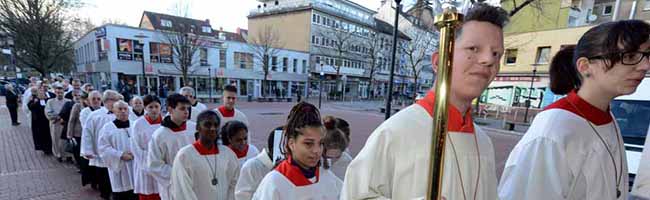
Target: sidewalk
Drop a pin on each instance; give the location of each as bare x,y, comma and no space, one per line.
27,174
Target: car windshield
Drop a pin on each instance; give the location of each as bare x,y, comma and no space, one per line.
633,117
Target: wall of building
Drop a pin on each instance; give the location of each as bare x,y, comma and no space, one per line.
554,14
293,28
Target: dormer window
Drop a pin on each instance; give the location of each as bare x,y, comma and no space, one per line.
166,23
207,29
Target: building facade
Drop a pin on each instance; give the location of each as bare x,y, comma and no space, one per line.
112,56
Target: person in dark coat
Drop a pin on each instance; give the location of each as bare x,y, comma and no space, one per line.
12,103
40,123
65,113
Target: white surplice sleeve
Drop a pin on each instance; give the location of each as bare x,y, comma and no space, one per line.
88,138
369,175
138,146
641,188
181,182
107,151
247,182
537,170
160,170
233,175
267,190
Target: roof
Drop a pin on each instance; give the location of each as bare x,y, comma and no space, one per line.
386,28
177,21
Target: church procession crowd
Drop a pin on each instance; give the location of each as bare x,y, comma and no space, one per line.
182,150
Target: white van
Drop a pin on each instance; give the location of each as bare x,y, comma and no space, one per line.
632,112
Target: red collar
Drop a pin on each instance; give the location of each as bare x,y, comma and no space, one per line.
593,114
180,128
205,151
225,112
151,121
456,121
240,154
294,174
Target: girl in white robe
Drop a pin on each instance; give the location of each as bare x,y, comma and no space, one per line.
574,149
205,170
175,133
115,150
335,144
143,183
300,175
234,134
254,170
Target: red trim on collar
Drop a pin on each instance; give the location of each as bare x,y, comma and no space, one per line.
294,174
158,120
593,114
240,154
456,121
225,112
205,151
180,128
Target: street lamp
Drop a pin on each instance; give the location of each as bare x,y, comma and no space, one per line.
210,81
320,86
141,37
530,93
392,66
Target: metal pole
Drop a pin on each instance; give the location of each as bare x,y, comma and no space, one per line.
320,88
389,96
144,76
210,82
530,93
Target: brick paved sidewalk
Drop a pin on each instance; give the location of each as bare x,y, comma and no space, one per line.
27,174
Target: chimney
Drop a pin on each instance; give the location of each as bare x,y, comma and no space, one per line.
238,30
207,21
221,28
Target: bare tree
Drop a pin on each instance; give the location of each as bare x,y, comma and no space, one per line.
340,42
265,45
38,29
113,21
375,52
416,52
185,41
78,27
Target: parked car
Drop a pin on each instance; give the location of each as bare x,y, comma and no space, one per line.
20,89
632,113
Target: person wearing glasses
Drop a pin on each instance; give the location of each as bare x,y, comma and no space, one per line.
197,107
227,112
574,149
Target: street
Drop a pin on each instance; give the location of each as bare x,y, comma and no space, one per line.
26,174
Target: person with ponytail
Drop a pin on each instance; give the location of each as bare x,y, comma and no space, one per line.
300,175
335,143
574,149
234,134
205,169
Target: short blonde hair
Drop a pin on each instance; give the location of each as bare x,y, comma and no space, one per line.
111,94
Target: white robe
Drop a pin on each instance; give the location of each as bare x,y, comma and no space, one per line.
163,147
641,186
341,165
251,174
394,163
560,157
113,142
83,115
143,182
196,110
252,153
192,174
239,116
90,135
276,186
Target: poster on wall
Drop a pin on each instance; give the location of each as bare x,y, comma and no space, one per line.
166,53
125,49
137,50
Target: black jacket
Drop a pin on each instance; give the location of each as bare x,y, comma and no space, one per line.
12,98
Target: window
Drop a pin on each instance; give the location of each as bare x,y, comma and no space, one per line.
160,53
285,64
313,18
318,19
166,23
222,58
511,56
244,60
543,55
313,39
304,66
207,29
126,50
203,55
295,65
274,63
317,59
646,5
607,10
102,49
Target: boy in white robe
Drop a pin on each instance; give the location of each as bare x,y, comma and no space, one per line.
115,151
175,133
90,135
234,135
197,107
574,148
300,175
144,185
254,170
205,170
394,163
227,112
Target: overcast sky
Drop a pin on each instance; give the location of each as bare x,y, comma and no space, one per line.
228,14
